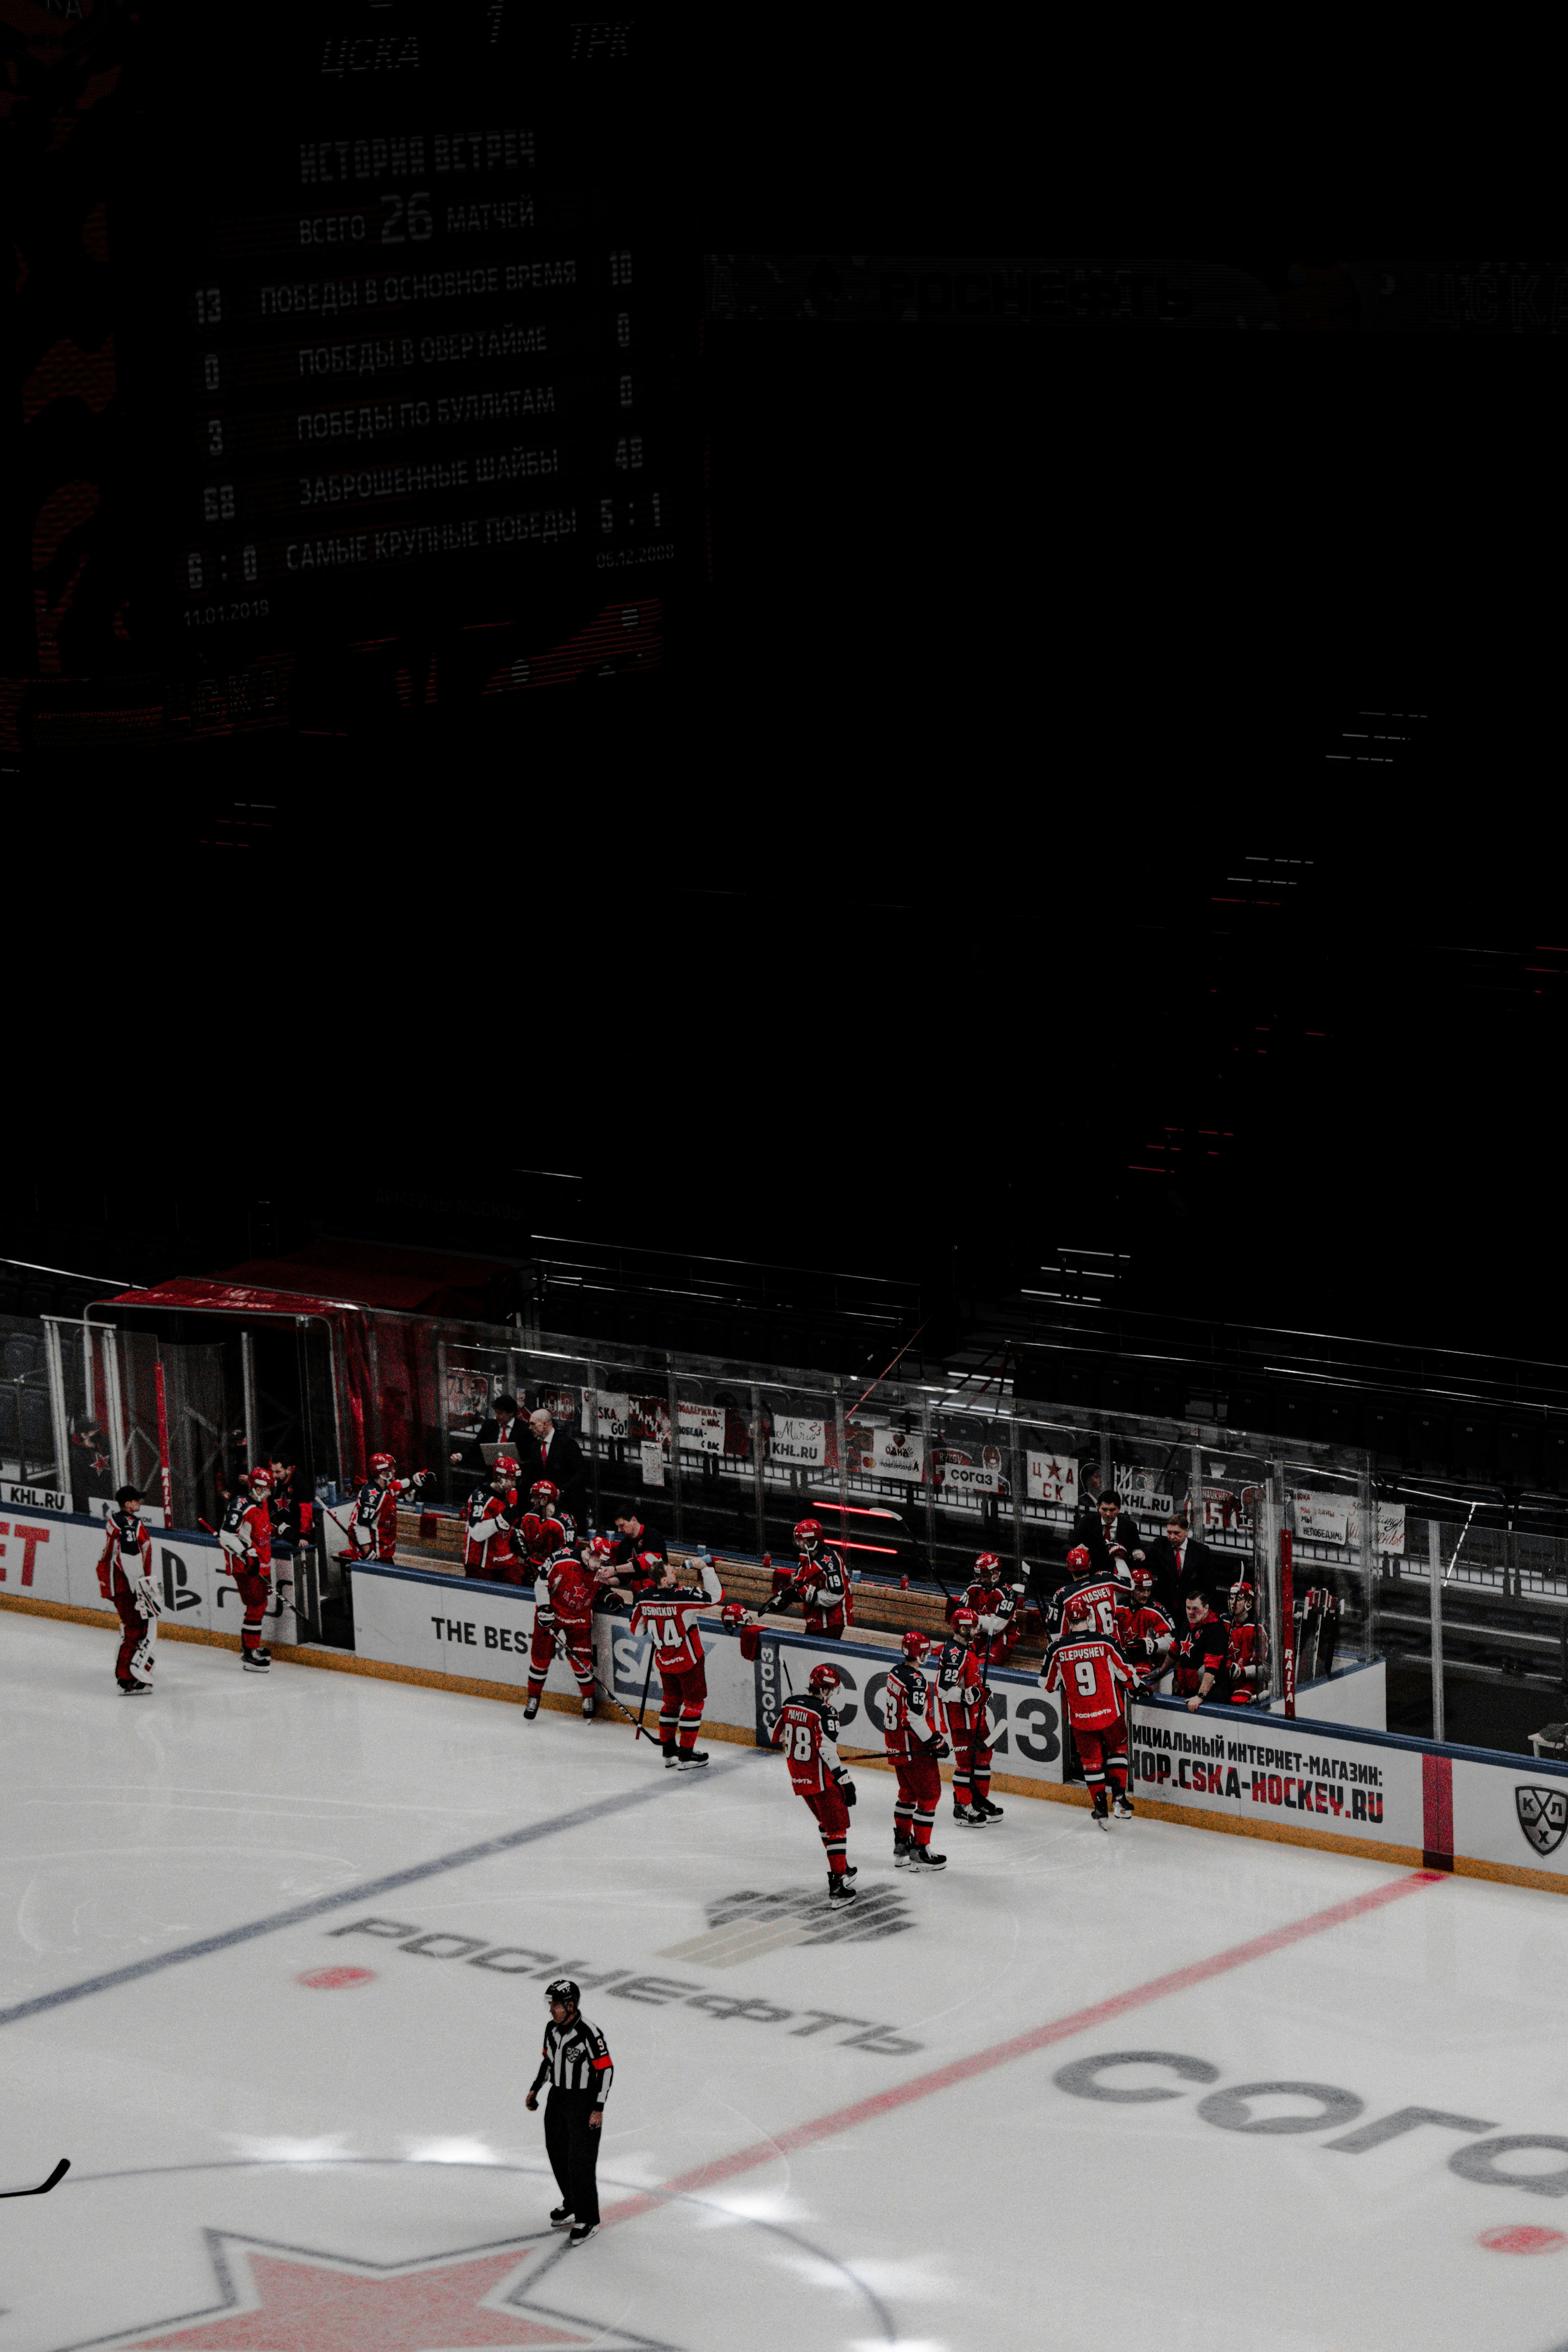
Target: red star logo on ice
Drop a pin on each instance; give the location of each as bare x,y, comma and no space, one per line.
307,2302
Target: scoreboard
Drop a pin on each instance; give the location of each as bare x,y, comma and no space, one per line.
353,342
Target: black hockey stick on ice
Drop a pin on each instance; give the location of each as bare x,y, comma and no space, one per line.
44,2186
642,1731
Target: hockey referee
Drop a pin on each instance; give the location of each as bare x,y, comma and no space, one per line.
576,2066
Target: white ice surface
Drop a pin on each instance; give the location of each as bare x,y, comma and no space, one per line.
256,2162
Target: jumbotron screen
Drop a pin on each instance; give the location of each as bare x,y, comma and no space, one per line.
350,349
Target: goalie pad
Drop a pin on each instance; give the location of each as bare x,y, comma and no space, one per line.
141,1660
146,1599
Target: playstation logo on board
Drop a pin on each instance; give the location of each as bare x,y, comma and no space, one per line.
1542,1816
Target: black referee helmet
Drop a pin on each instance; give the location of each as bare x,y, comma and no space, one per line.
562,1990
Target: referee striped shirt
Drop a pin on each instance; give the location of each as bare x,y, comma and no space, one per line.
576,2057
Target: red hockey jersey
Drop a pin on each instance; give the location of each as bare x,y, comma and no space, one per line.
488,1529
245,1532
1135,1626
1245,1663
127,1546
960,1688
1105,1596
822,1587
567,1588
996,1606
669,1614
907,1714
806,1730
1091,1675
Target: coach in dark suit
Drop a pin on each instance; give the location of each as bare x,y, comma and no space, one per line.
506,1427
1180,1565
1110,1525
549,1453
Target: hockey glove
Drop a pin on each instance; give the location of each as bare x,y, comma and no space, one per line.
846,1791
937,1749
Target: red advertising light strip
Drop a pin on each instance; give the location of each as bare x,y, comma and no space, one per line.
1023,2045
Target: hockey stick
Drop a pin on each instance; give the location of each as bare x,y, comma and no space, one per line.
44,2186
642,1733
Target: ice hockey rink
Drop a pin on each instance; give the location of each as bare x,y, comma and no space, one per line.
274,1958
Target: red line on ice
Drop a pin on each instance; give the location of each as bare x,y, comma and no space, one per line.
1039,2037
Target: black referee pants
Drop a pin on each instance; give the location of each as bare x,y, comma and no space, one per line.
572,2147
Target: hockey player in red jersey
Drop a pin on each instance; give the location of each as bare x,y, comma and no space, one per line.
536,1541
544,1502
1104,1594
1093,1678
995,1606
1144,1635
1248,1664
808,1730
490,1517
246,1534
962,1715
563,1593
372,1521
819,1581
668,1616
125,1577
915,1745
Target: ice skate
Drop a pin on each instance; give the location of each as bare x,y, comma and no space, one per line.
256,1662
690,1759
1099,1814
922,1858
531,1709
838,1887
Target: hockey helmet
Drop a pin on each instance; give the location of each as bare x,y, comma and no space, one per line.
966,1623
379,1462
1143,1581
1241,1598
1079,1611
733,1615
260,1479
988,1567
503,1469
807,1536
915,1645
600,1548
823,1680
562,1990
550,1491
1077,1558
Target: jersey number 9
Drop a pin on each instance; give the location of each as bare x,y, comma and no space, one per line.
1084,1670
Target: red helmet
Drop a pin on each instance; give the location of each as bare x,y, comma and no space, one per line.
1077,1558
808,1535
733,1614
966,1622
650,1563
600,1547
260,1479
381,1461
503,1466
822,1679
1079,1611
988,1567
1143,1582
1240,1596
552,1493
916,1646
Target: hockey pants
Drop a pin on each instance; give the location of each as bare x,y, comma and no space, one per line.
1103,1753
971,1763
573,2146
256,1591
684,1695
920,1787
833,1821
136,1629
578,1640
